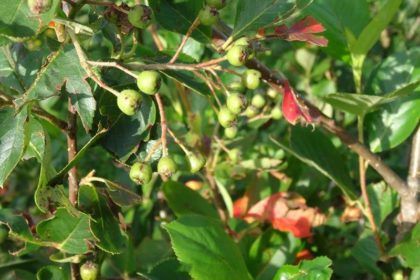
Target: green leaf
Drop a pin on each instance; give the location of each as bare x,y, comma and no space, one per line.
178,16
51,272
66,232
63,67
409,248
372,31
367,253
361,104
204,246
170,269
127,132
183,200
383,201
252,15
13,139
188,80
318,268
316,150
17,20
104,225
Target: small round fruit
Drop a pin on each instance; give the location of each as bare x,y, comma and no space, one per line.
226,117
141,173
89,271
167,166
234,154
251,111
4,232
243,41
258,101
197,161
140,16
237,86
237,55
129,101
251,78
236,103
272,93
208,16
276,113
39,6
149,81
231,132
218,4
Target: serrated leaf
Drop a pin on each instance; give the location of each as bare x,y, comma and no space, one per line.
318,268
13,139
252,15
18,21
409,248
51,272
63,68
66,232
204,246
367,253
104,225
183,200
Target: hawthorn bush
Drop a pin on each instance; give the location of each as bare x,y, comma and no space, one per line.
209,139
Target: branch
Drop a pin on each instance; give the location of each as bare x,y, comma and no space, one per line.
72,151
195,23
162,124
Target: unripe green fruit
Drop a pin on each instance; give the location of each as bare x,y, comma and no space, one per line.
251,111
272,93
208,16
218,4
251,78
167,166
149,81
197,161
237,86
39,6
226,117
140,16
129,101
231,132
141,173
276,113
34,45
234,155
236,103
243,41
258,101
89,271
4,232
237,55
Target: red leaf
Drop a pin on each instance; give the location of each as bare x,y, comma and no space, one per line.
291,108
307,25
300,228
240,206
303,31
305,254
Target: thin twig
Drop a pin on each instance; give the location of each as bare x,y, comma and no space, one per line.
44,115
112,64
193,26
155,37
210,86
178,142
162,124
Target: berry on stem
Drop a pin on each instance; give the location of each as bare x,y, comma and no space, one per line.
272,93
251,111
167,166
236,103
258,101
237,55
226,117
196,161
140,16
149,81
129,101
89,271
39,6
251,78
231,132
141,173
218,4
276,113
208,15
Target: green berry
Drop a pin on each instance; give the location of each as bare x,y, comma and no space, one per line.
231,132
276,113
243,41
89,271
272,93
149,81
208,16
39,6
141,173
237,55
4,232
258,101
167,166
251,78
226,117
218,4
197,161
129,101
251,111
140,16
234,155
237,86
236,103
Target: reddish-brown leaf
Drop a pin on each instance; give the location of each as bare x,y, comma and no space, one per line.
292,110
